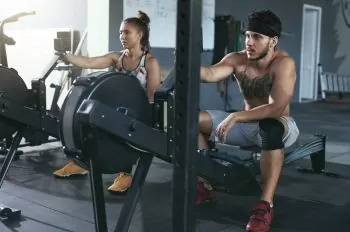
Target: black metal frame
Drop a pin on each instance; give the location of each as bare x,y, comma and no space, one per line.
188,59
314,147
36,116
239,177
7,212
133,195
92,112
34,119
94,116
36,127
90,115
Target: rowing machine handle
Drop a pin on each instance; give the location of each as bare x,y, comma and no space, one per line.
14,18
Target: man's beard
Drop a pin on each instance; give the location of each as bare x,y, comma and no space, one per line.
262,54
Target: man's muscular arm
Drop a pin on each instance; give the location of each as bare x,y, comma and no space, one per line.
99,62
219,71
281,93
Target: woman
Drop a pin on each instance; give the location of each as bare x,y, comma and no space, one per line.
135,59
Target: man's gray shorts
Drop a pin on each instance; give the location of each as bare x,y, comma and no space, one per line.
247,134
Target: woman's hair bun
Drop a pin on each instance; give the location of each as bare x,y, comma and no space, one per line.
143,17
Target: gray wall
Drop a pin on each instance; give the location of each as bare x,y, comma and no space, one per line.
116,16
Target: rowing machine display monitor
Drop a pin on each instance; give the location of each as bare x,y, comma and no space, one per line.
66,41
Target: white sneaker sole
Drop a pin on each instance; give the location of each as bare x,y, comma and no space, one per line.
75,174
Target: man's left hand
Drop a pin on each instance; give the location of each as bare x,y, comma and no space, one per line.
225,126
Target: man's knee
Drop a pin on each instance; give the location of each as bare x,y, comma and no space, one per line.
205,123
271,132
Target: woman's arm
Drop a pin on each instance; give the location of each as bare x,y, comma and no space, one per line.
153,77
98,62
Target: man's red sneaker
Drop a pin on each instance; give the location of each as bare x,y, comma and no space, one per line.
204,193
261,219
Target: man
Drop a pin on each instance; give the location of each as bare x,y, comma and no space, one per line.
266,76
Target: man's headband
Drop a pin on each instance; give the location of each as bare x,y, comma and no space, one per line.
263,28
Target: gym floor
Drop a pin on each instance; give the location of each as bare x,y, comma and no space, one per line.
304,202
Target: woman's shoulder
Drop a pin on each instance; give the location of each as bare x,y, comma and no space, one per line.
151,59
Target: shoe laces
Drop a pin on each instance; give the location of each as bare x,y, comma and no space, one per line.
67,166
259,214
120,177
